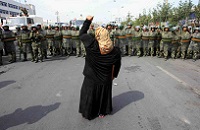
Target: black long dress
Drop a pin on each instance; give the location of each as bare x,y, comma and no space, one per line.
96,91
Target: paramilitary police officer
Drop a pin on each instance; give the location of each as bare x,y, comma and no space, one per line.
18,41
137,40
185,41
120,35
36,38
50,39
44,40
75,40
194,47
145,40
166,40
66,42
57,41
8,40
175,42
129,38
26,42
152,40
158,40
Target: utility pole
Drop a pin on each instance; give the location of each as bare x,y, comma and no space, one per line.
57,14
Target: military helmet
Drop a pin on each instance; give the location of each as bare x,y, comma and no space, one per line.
129,24
196,28
145,27
153,27
34,26
24,25
121,27
5,25
137,27
185,26
17,27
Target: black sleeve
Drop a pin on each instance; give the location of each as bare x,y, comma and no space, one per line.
117,66
84,37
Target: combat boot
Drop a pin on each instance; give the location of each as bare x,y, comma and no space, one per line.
25,56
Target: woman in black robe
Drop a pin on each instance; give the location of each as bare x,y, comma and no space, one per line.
102,65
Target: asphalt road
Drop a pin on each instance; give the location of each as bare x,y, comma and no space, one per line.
149,94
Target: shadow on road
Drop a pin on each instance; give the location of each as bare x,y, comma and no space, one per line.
6,83
29,115
124,99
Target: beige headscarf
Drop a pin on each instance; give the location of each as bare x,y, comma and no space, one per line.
103,38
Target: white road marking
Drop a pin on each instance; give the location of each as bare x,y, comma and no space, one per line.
173,76
195,90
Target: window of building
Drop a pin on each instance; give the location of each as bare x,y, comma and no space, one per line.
3,3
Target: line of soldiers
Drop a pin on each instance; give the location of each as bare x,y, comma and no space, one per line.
168,42
63,41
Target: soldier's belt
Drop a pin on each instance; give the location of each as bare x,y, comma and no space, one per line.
9,39
195,39
26,40
175,41
129,35
145,38
120,37
75,38
152,38
185,41
49,36
68,37
136,38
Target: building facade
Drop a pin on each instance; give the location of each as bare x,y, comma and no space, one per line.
11,8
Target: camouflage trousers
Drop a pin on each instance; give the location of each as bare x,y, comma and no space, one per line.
138,45
151,46
193,50
145,47
166,47
27,48
77,43
83,51
131,47
184,48
174,48
37,51
66,46
50,45
57,47
10,48
122,45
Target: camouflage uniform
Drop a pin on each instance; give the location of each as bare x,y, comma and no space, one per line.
121,40
175,43
50,39
18,37
36,38
44,43
157,44
8,39
137,40
166,40
152,40
185,41
145,41
57,42
76,42
26,42
129,38
67,36
194,47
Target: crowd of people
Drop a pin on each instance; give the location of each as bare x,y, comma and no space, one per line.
176,42
40,42
166,42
